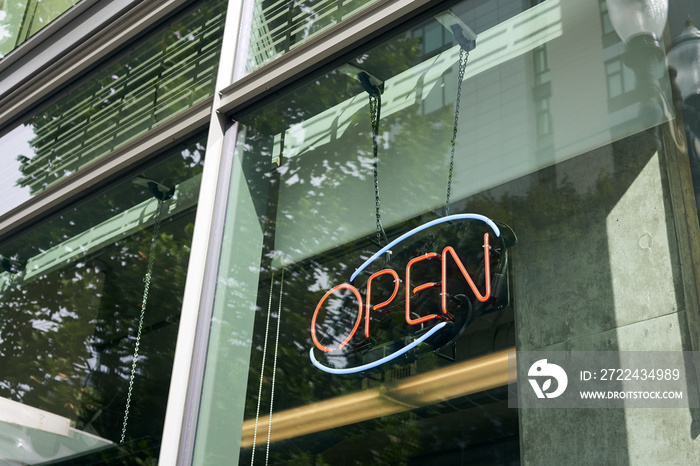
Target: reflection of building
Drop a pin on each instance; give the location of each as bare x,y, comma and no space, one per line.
147,332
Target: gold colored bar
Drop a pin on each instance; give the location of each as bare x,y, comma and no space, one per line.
444,384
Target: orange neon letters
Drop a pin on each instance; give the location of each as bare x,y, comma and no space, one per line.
411,321
369,307
487,271
449,250
320,303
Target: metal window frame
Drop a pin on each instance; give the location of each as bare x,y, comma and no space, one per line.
203,264
230,101
71,47
70,16
319,52
67,17
66,49
105,169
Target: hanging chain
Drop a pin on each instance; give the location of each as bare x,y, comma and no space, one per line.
463,57
146,288
375,106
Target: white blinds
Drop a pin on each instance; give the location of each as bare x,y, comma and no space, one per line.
279,26
154,81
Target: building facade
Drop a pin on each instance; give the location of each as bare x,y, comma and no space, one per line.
317,232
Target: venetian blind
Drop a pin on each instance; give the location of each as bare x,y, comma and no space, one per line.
156,79
279,26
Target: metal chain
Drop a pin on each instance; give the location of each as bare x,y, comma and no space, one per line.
147,285
463,57
375,106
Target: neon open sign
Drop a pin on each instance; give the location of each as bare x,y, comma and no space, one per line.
435,309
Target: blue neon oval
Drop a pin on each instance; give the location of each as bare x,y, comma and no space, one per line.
407,235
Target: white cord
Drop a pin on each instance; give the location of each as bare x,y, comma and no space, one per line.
274,369
144,300
262,369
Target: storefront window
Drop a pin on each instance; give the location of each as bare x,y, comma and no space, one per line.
72,293
146,85
582,251
19,20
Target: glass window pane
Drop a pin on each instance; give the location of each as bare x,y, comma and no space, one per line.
45,12
338,272
433,37
72,293
147,84
19,20
279,26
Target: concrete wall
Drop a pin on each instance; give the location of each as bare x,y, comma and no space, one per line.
606,269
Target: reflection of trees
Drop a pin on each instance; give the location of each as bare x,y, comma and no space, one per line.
67,337
83,217
559,208
312,182
421,141
36,14
555,212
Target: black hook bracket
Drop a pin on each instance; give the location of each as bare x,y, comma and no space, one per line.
463,34
157,190
466,43
13,266
371,84
366,82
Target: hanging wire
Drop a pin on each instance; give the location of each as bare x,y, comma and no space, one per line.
463,57
274,370
375,108
146,288
262,368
